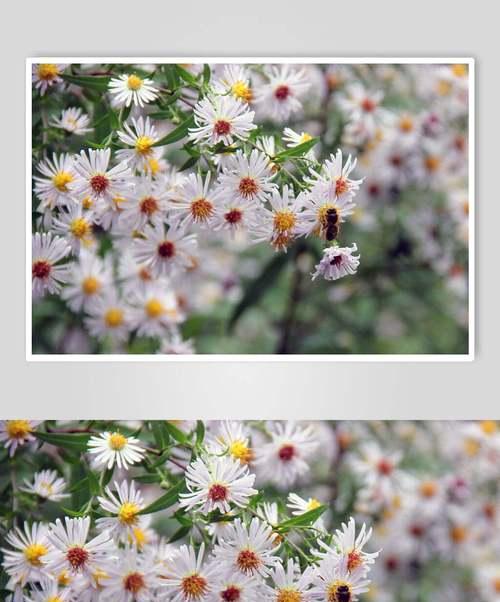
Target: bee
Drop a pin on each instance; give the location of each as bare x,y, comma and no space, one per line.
331,224
343,594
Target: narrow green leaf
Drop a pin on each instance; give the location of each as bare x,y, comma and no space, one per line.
178,133
176,433
99,83
184,74
296,151
206,73
179,534
189,163
200,432
73,441
160,433
303,520
166,500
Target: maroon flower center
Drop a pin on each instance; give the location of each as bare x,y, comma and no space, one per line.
99,183
222,127
41,269
337,260
368,105
282,92
217,492
286,452
248,561
133,582
248,187
230,594
166,249
234,216
77,557
385,467
149,205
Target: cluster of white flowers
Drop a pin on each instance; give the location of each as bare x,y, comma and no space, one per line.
242,546
162,225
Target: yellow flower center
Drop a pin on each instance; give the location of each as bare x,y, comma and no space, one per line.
496,584
64,579
312,504
305,138
61,180
406,124
443,87
432,163
240,90
140,537
489,427
459,70
339,591
87,202
154,308
239,450
194,586
143,145
80,227
54,599
90,285
154,166
284,220
117,441
458,533
47,71
128,513
471,446
113,317
18,429
288,594
428,489
134,82
34,552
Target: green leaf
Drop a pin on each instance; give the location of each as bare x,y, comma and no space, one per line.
178,133
303,520
176,433
160,433
186,76
296,151
99,83
189,163
73,441
166,500
256,289
200,432
179,534
148,478
206,73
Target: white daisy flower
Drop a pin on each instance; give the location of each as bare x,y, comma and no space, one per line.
337,262
268,512
332,182
235,215
300,506
236,588
165,252
248,550
195,204
349,547
130,89
236,81
221,119
108,316
132,274
74,225
124,504
155,310
281,97
284,458
175,345
15,433
289,584
147,205
27,561
189,580
279,225
247,178
46,251
73,120
293,139
231,437
112,448
72,552
89,278
46,75
334,582
96,181
46,484
58,184
139,134
216,483
131,578
49,590
363,106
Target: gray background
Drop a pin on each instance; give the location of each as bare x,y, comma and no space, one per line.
257,389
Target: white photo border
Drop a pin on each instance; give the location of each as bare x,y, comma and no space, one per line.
466,357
